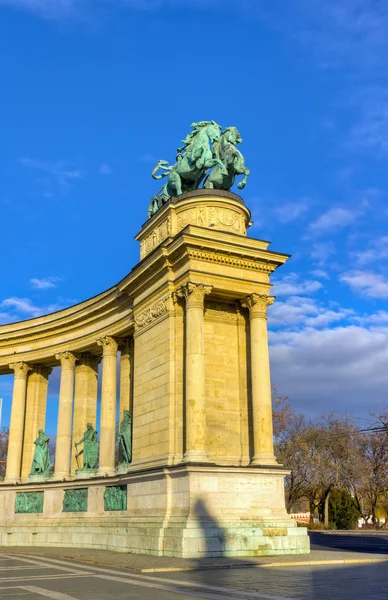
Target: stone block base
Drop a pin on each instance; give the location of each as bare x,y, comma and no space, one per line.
186,511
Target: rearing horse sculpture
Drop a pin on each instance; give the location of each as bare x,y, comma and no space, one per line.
193,160
232,160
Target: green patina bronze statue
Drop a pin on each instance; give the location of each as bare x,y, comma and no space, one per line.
90,449
41,459
204,148
232,160
125,438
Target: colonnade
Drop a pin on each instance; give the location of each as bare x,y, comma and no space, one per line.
77,407
78,386
260,381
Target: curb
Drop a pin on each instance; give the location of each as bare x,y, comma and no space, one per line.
242,565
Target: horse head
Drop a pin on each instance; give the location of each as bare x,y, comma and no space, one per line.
232,135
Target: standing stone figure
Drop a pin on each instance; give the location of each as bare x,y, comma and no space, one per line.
41,460
125,437
90,449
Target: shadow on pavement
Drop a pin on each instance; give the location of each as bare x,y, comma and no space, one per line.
350,542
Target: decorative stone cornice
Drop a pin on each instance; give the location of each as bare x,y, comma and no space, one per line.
20,369
109,345
257,305
153,312
194,294
232,261
67,360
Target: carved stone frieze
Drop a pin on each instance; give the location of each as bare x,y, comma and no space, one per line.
152,313
221,312
227,219
156,237
233,261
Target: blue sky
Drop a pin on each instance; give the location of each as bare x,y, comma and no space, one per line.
93,92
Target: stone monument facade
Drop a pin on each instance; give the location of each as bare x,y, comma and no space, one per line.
196,474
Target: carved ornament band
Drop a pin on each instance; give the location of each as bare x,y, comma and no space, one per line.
257,305
194,294
153,312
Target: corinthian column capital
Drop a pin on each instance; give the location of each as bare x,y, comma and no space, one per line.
20,369
194,294
257,305
109,345
67,359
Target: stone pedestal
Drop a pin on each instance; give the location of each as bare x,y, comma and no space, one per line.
41,478
85,473
186,511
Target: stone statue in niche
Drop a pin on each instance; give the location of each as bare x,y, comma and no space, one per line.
90,449
125,438
41,459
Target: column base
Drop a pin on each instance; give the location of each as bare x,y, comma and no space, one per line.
264,460
11,481
62,476
196,456
106,472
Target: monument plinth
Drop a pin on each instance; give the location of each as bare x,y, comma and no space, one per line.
196,473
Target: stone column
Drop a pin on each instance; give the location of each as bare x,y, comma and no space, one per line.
65,415
263,453
35,419
16,429
125,376
85,398
108,406
194,295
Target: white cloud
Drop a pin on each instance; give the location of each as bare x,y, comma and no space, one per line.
106,169
24,308
49,9
342,368
372,285
45,283
290,211
65,9
147,158
377,250
299,311
320,274
332,220
370,133
379,318
320,252
58,171
291,286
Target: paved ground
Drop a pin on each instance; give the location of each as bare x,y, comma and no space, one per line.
37,573
35,578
